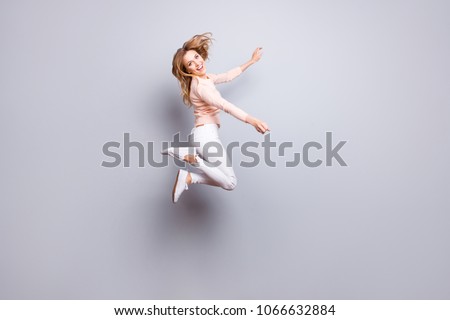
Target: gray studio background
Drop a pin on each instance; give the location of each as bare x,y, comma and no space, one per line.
77,74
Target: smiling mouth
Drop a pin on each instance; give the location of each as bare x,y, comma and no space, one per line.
200,67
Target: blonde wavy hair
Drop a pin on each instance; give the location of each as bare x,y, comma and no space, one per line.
199,43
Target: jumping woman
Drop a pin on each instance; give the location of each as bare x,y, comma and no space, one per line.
198,90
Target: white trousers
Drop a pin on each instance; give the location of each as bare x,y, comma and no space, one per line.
212,161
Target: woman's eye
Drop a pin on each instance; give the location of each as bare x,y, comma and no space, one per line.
189,64
196,56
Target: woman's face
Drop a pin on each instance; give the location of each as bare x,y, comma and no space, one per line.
194,63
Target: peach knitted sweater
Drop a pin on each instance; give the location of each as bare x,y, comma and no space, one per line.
208,102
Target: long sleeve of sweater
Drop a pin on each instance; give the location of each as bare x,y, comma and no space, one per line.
212,97
227,76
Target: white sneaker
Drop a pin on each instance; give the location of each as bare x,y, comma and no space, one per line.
180,185
179,153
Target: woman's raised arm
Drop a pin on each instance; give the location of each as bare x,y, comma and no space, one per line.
255,58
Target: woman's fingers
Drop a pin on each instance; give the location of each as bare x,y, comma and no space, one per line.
257,54
262,127
259,125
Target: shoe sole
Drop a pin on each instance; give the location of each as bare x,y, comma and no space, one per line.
175,186
174,155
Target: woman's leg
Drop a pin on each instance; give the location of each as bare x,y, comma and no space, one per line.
211,159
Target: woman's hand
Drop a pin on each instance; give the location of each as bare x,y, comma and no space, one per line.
256,55
255,58
259,125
